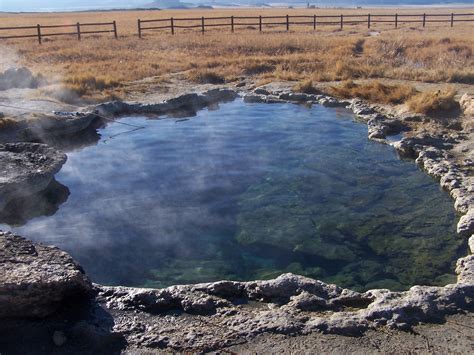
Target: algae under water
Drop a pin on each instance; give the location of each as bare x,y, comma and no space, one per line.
250,191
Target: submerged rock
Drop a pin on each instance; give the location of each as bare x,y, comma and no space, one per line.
26,168
36,279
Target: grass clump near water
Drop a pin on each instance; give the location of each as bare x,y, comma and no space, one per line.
205,77
374,91
306,87
464,77
6,122
431,102
84,88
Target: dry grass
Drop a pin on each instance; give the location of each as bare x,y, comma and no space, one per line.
306,87
437,53
6,122
205,77
375,91
86,83
433,102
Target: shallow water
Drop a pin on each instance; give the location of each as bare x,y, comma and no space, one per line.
249,191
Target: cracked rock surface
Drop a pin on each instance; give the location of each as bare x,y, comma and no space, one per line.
26,168
35,279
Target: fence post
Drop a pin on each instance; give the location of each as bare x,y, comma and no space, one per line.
287,22
38,28
342,21
424,20
452,19
314,22
202,24
139,29
232,24
78,25
368,21
115,29
260,23
396,20
172,26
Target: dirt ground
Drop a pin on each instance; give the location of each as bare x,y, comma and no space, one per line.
456,336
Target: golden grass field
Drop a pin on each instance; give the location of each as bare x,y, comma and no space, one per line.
100,65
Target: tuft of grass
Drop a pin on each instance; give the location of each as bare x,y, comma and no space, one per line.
82,84
6,122
374,91
205,77
432,102
463,77
257,68
306,87
69,95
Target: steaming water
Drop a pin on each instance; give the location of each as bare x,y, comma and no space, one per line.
251,191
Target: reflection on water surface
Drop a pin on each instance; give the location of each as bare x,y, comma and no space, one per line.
250,191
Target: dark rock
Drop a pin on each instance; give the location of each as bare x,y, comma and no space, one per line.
219,95
35,279
254,99
260,91
466,224
113,108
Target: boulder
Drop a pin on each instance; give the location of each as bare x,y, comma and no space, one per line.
466,224
26,168
467,104
261,91
465,269
35,279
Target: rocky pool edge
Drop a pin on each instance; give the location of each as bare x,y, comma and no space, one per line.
289,304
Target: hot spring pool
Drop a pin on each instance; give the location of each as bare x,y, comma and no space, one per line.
245,192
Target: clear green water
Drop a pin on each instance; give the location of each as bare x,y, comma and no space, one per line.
250,191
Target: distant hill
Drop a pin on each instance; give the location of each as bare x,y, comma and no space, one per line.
169,4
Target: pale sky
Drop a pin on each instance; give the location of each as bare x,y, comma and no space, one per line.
38,5
52,5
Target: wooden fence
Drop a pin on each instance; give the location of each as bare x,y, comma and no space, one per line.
287,21
77,30
234,22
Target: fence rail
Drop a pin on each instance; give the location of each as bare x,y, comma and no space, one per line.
79,30
233,22
300,20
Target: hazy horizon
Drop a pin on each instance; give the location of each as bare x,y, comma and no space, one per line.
71,5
